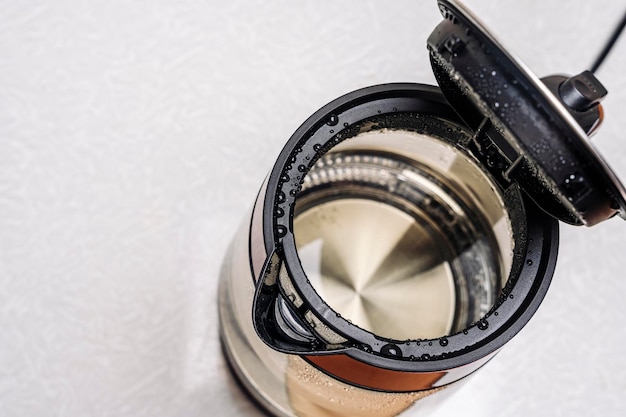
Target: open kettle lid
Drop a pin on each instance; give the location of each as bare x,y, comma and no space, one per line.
528,131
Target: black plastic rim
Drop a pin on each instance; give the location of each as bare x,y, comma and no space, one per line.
536,246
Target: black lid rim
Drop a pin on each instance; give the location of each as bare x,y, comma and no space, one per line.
455,10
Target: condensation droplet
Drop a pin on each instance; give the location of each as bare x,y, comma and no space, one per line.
391,350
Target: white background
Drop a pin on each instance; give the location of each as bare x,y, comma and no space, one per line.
133,137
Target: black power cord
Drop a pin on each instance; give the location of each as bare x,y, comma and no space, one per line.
609,44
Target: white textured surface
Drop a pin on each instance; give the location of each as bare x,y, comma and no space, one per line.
134,136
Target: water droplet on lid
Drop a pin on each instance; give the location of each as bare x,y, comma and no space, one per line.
483,324
333,119
346,124
280,197
281,230
285,177
317,147
332,131
279,212
443,341
529,262
301,168
465,331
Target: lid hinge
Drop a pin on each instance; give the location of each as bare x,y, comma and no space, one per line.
500,158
